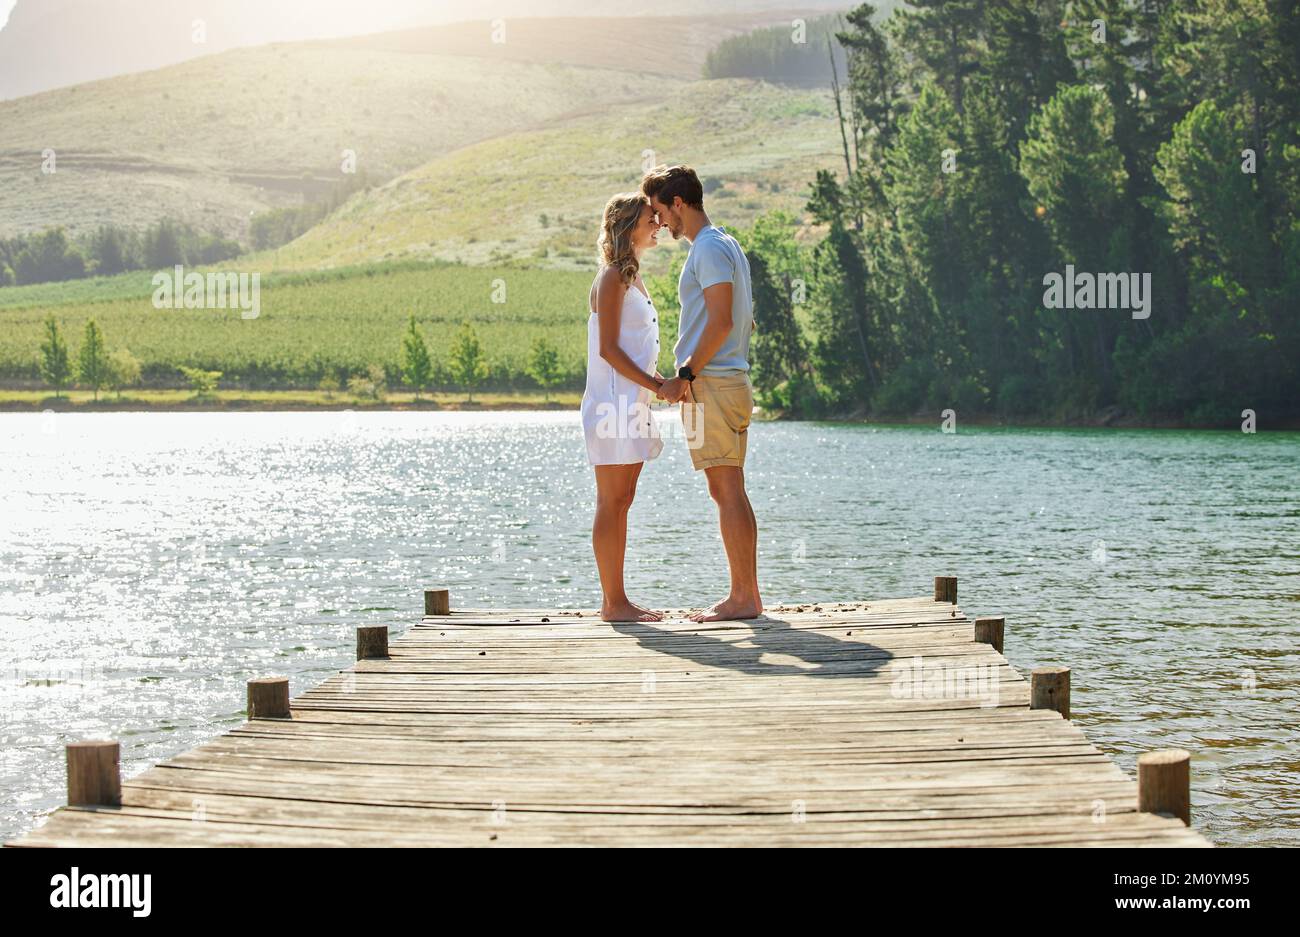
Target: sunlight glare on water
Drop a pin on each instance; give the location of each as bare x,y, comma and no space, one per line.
150,564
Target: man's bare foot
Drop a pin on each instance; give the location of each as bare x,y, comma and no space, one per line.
628,612
730,609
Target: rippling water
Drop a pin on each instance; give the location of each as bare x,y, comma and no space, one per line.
151,563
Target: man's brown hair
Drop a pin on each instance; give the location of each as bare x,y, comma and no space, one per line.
668,182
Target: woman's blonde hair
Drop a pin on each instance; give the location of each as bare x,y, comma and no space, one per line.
622,213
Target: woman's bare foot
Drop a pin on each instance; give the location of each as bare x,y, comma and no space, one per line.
730,609
658,616
626,611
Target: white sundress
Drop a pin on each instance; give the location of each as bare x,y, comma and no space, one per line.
616,418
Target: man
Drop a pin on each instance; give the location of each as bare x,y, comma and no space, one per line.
712,355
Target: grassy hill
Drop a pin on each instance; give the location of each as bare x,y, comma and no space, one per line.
213,140
210,141
536,195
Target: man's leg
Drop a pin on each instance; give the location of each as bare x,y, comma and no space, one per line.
740,538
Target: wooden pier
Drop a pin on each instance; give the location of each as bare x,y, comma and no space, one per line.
881,723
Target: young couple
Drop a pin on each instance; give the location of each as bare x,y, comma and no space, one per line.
712,380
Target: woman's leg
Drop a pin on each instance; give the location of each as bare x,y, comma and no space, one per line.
615,490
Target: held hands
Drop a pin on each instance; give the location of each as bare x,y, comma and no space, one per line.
673,390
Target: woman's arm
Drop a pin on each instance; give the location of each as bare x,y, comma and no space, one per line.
610,290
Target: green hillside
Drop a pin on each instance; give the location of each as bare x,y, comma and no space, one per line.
536,195
211,141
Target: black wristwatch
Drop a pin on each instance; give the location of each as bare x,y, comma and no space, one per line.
685,373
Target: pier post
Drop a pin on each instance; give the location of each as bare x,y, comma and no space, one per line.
1049,688
1165,784
990,630
268,698
94,774
945,589
437,602
372,642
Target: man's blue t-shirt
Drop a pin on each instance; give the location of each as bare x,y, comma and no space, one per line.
715,257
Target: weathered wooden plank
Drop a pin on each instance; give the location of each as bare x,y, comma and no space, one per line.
281,811
810,726
126,828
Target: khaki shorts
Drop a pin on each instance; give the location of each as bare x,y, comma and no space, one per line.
715,418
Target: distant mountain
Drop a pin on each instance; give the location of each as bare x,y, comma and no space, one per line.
56,43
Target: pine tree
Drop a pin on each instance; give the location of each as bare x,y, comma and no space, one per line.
779,271
943,41
467,365
162,247
417,368
1076,172
56,368
92,361
110,250
544,366
1026,58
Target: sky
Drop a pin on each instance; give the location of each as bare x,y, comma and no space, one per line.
5,7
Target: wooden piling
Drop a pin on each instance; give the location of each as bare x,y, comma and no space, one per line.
1165,784
945,589
540,702
372,642
268,698
94,774
990,630
437,602
1049,688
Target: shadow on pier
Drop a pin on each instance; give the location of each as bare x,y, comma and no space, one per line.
765,646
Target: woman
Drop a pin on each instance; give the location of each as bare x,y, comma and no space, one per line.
622,348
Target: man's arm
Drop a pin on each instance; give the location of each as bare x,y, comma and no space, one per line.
717,302
716,272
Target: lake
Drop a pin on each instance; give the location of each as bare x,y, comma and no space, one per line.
151,563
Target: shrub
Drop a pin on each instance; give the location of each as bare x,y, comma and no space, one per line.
203,383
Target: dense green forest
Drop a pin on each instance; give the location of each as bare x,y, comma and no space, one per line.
798,54
52,257
991,146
